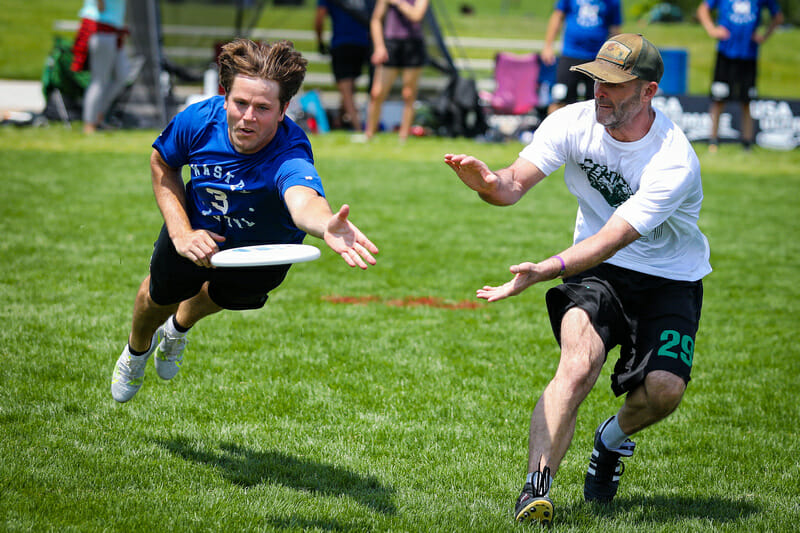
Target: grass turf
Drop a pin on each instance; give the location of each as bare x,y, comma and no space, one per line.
312,415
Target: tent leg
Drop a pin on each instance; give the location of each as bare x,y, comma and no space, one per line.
62,109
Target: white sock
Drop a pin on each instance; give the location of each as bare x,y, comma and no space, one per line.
612,435
170,329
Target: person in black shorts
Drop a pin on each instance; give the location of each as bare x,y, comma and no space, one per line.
587,24
570,86
350,49
251,181
652,319
735,71
632,277
398,48
174,278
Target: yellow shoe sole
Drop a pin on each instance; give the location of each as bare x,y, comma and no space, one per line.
538,510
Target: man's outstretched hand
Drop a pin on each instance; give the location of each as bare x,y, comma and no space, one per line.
344,238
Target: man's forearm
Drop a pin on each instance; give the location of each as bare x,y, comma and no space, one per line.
170,195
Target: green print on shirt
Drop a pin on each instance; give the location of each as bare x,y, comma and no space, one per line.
607,182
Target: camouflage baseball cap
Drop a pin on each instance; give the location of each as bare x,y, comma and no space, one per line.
625,57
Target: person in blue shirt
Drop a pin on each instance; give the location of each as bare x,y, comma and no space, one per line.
251,181
735,70
587,24
350,50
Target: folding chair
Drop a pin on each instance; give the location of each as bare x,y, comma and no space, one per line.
62,89
516,79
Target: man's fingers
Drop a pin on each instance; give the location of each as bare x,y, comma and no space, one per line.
344,212
364,251
217,237
353,259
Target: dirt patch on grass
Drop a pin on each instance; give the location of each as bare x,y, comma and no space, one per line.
408,301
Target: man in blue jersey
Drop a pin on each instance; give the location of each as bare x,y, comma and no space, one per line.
735,70
252,181
350,50
587,25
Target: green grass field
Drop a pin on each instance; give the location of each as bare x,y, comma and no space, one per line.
313,415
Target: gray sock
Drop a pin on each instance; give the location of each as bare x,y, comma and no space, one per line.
612,435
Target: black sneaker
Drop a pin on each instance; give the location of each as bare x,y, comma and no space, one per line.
533,505
605,468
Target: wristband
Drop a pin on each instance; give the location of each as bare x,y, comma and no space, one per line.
563,265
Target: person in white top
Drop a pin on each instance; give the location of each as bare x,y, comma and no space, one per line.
633,276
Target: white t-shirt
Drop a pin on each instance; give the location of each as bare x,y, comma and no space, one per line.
653,183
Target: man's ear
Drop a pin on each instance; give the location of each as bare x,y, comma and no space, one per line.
650,90
284,110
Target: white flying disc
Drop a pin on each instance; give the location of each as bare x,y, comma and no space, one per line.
265,255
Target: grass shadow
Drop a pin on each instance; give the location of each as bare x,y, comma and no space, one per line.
661,508
247,468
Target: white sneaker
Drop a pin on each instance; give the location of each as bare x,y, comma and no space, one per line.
128,375
169,353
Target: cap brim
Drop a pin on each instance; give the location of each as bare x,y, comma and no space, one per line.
603,71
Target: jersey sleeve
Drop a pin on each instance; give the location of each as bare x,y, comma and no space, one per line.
173,142
186,129
546,151
298,171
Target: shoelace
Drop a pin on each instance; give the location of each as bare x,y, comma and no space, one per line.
173,346
131,367
543,482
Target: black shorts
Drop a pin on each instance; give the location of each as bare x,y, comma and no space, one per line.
734,79
405,53
571,86
654,320
173,279
348,61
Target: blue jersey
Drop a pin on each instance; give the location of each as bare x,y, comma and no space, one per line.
239,196
345,28
586,25
741,18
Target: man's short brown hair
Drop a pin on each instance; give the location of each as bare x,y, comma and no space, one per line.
278,62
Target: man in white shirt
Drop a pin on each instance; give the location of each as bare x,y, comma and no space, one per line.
633,276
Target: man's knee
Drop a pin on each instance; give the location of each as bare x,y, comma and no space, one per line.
664,392
582,353
143,298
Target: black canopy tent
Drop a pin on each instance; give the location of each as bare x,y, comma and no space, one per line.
178,39
150,102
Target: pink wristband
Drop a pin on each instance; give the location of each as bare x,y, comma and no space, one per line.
563,265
